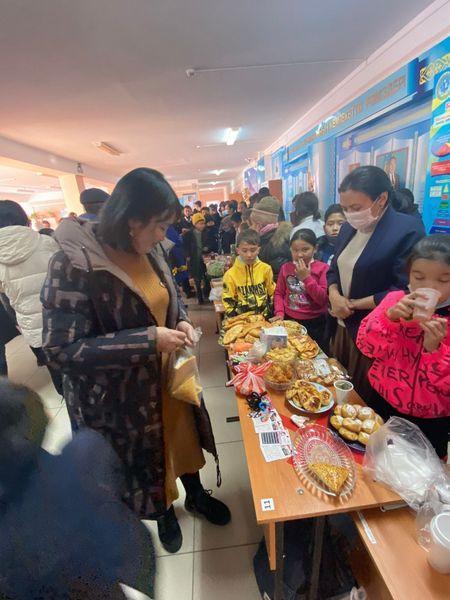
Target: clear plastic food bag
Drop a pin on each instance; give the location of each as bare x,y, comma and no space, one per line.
184,378
401,457
437,500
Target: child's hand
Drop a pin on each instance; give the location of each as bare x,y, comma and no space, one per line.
403,309
273,319
435,332
301,270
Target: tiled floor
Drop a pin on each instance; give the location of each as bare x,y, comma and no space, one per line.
214,562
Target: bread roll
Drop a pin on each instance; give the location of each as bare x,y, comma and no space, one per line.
379,420
363,437
352,425
349,411
338,410
365,412
348,435
336,421
368,426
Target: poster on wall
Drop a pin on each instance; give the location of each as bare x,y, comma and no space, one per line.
260,173
295,181
277,160
251,180
188,199
436,209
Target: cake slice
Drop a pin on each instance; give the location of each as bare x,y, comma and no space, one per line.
332,476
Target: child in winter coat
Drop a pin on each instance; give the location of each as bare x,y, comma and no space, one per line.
411,370
301,292
249,284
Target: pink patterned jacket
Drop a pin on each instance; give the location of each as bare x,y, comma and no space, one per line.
415,382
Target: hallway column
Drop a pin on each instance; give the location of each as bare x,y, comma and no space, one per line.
72,186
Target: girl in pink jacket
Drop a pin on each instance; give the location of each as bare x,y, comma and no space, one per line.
301,293
411,370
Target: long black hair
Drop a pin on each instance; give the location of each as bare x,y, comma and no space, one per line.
370,180
11,213
305,204
305,235
141,194
432,247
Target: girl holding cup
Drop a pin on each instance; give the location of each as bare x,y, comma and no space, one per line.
408,335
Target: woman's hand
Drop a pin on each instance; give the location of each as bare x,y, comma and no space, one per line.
340,306
168,340
301,270
402,310
435,332
187,328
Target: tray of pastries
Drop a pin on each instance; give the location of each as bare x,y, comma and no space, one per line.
321,370
309,397
292,327
279,376
245,328
303,346
355,424
281,355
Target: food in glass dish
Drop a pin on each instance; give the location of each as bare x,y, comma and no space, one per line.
281,355
280,373
333,476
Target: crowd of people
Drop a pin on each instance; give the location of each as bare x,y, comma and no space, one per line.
99,301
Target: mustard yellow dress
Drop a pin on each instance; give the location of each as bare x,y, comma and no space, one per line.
183,453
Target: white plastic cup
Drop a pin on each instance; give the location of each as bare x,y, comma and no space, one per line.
343,389
439,554
425,304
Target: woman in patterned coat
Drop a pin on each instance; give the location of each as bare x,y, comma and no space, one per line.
112,316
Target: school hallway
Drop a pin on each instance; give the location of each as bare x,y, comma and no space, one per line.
214,562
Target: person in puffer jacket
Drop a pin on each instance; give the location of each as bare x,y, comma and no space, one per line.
411,350
248,285
24,258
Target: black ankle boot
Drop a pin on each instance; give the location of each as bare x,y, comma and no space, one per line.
169,531
213,510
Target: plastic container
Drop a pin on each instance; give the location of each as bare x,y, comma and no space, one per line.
343,389
439,555
425,304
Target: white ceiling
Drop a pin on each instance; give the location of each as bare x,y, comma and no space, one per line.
74,72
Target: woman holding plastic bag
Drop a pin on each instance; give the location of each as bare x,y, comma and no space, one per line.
112,317
408,335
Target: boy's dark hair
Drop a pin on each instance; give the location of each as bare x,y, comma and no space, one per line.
432,247
370,180
305,235
11,213
236,218
263,192
141,194
333,209
403,201
249,236
233,205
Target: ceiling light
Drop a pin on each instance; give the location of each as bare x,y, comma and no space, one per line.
108,148
218,172
231,135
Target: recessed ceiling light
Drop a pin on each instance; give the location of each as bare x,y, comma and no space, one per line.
231,135
218,172
108,148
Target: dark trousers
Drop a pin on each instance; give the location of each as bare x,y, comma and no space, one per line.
8,331
202,287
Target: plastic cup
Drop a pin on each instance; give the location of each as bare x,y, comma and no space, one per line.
343,389
439,554
425,304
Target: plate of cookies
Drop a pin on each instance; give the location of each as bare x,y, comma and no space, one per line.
310,397
355,424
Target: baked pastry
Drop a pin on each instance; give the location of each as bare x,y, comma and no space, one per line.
336,421
232,334
365,412
333,476
379,420
363,438
351,436
349,411
338,410
352,425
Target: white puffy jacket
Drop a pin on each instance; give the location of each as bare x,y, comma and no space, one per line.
24,257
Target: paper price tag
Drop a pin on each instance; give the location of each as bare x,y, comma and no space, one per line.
267,504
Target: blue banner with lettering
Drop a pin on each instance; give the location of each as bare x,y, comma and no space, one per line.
392,89
436,207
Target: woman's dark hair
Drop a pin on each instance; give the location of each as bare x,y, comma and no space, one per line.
403,201
249,236
236,218
141,194
232,205
371,181
305,204
263,192
333,209
11,213
246,214
305,235
254,198
432,247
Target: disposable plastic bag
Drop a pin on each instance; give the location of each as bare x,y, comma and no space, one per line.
184,378
437,500
400,456
215,294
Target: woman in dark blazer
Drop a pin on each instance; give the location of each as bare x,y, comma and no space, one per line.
370,257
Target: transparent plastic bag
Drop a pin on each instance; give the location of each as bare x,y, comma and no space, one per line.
215,294
401,457
184,378
437,500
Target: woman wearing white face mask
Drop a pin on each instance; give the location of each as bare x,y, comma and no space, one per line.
369,262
